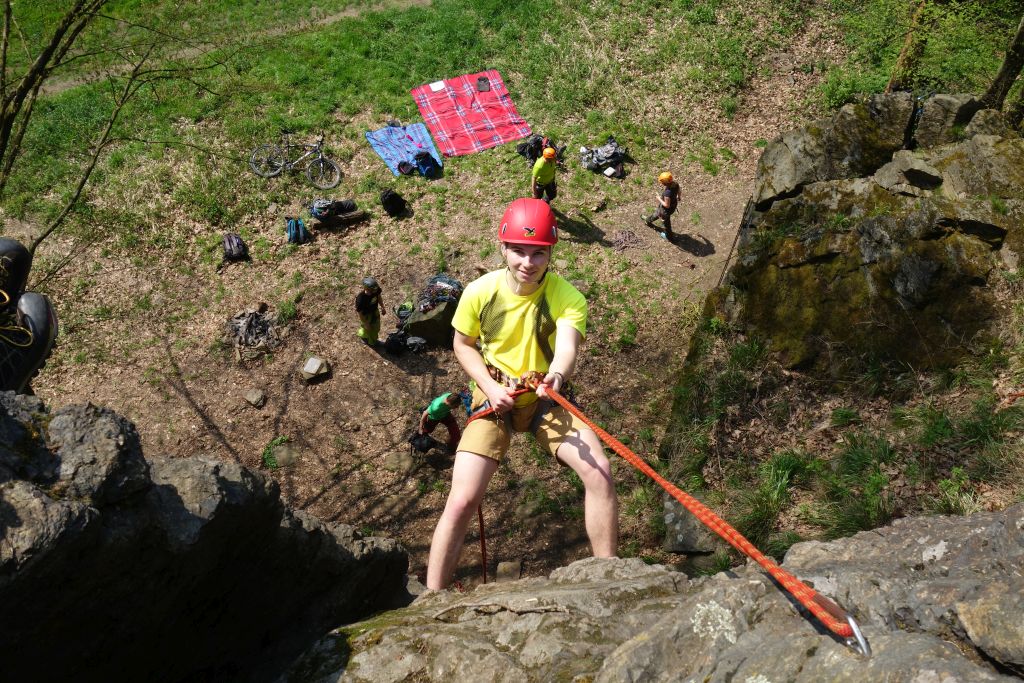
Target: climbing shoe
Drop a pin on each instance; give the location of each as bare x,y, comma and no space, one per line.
27,334
15,261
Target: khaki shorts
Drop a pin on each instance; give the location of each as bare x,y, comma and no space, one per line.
490,436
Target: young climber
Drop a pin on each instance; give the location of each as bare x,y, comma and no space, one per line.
525,319
440,412
368,302
543,176
668,199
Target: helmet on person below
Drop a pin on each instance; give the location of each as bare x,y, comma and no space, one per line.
665,177
528,221
371,283
549,153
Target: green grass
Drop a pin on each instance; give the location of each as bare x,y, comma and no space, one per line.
962,53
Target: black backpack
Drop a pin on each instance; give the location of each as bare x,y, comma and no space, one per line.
426,164
234,247
395,342
394,204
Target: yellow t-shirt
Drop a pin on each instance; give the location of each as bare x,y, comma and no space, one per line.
517,333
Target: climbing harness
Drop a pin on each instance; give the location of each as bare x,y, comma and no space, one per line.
834,617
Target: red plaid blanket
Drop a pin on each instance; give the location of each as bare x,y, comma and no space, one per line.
463,119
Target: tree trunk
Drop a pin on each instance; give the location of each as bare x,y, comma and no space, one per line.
1008,72
1015,110
913,47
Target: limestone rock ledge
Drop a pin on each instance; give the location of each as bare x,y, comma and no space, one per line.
939,599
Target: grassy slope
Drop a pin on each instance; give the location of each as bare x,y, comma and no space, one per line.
652,73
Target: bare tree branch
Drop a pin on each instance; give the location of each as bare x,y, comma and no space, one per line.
131,86
4,46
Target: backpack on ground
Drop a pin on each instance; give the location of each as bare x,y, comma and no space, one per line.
394,204
324,209
395,342
426,164
234,248
297,233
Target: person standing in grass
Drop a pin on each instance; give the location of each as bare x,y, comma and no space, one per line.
369,306
527,321
440,412
668,199
543,177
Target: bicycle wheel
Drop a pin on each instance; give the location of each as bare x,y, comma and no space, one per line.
267,161
323,173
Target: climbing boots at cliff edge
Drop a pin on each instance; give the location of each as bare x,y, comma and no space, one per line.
15,262
28,323
26,339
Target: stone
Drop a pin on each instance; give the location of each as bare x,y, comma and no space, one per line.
286,454
434,325
925,592
99,453
944,119
164,540
314,368
509,571
857,141
256,398
908,174
400,462
990,122
684,533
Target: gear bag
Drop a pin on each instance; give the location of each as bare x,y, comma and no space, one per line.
426,164
394,204
234,248
297,233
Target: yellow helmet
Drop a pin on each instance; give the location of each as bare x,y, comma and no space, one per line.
549,152
665,177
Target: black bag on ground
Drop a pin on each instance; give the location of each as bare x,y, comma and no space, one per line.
395,342
394,204
426,164
234,247
423,443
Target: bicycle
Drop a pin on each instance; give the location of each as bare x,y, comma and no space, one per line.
270,160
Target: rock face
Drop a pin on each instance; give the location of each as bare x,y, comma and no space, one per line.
872,240
114,567
938,599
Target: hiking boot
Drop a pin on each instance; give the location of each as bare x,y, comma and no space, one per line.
663,235
26,339
649,220
15,261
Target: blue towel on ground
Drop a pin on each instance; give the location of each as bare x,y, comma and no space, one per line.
395,144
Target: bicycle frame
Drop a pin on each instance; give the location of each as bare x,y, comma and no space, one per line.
314,150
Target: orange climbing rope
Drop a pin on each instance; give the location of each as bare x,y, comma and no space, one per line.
827,611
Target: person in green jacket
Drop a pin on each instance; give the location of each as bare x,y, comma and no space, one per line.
544,176
440,412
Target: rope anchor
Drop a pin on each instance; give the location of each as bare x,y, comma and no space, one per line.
834,617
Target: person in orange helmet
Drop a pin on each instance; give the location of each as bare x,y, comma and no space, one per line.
524,318
668,199
543,177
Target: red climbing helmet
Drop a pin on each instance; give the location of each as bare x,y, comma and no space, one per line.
528,221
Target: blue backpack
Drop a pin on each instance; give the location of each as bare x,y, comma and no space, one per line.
297,233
